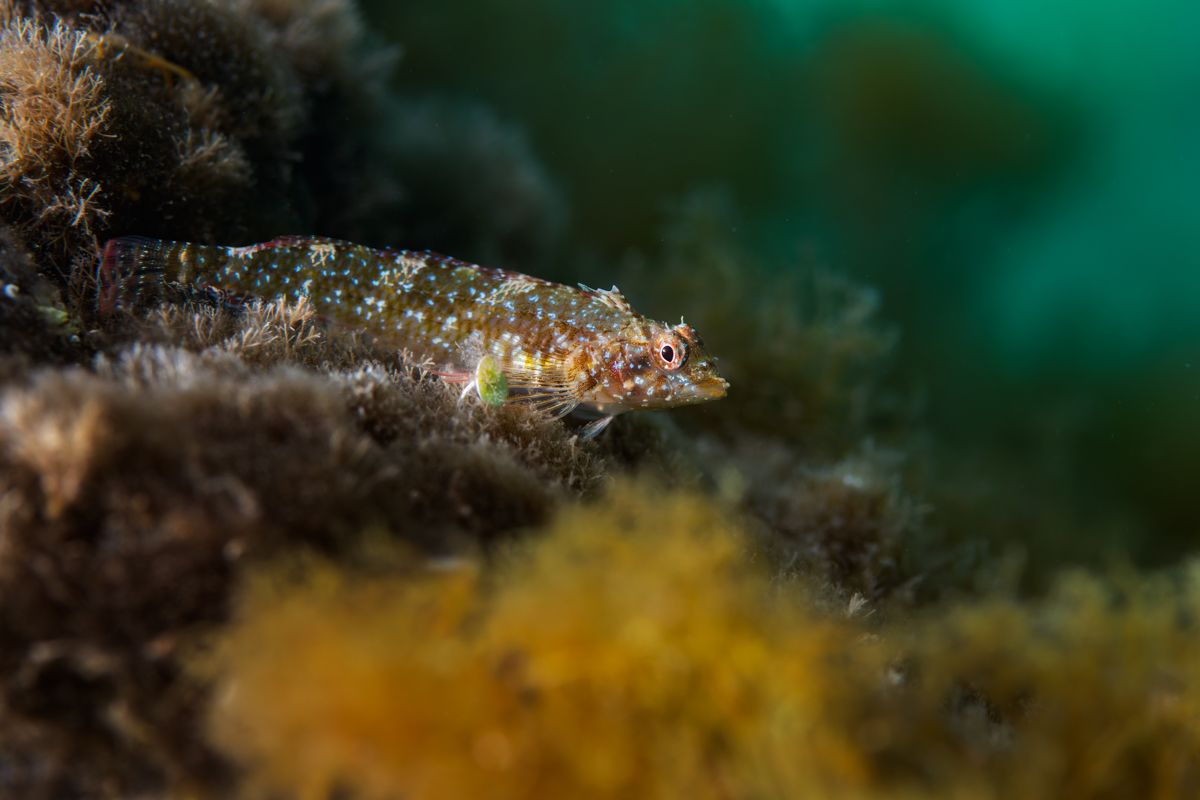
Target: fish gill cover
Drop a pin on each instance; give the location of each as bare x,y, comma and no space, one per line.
933,543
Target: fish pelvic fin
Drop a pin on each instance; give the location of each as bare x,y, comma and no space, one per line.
596,427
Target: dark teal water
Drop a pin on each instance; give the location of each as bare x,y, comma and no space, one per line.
1019,179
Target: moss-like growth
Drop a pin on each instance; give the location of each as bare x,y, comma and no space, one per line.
804,351
54,111
635,651
847,523
1088,693
35,327
631,652
808,434
108,141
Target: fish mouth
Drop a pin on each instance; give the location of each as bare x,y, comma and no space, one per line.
701,391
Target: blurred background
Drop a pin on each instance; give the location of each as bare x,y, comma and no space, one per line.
1017,179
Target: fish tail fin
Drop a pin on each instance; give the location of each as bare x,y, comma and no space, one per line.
133,272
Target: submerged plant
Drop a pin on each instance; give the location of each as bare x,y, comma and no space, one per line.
806,343
631,651
634,650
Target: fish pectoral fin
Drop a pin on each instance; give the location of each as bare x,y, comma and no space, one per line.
541,380
595,427
555,402
534,374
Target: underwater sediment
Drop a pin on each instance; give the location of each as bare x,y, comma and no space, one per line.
244,553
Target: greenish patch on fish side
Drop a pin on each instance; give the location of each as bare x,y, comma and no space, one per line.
490,382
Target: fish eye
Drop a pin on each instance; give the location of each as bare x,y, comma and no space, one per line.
671,351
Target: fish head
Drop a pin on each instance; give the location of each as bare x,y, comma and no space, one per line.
650,365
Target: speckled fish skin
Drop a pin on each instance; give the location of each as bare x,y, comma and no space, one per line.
561,348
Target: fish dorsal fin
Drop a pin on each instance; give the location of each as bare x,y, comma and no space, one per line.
610,297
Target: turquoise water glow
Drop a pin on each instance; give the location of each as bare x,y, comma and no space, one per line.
1018,178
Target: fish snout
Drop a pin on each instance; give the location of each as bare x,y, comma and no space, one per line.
712,387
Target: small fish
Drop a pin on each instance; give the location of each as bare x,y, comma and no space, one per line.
558,348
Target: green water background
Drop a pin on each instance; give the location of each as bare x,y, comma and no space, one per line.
1019,179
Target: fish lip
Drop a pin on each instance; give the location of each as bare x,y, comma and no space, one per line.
713,388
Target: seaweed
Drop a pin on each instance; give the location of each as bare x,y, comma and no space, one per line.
35,327
804,348
814,436
632,650
636,648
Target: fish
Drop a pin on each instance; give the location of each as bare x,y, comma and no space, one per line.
561,349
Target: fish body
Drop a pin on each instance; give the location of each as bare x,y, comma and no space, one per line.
560,348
